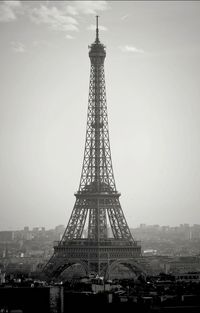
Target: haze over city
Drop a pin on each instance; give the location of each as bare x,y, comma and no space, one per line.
152,80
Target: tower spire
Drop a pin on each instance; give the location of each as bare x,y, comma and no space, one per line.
97,28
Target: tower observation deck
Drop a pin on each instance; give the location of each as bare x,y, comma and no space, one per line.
97,235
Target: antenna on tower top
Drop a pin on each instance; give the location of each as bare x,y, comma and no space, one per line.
97,29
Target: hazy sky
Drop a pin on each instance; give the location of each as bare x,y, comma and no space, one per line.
153,93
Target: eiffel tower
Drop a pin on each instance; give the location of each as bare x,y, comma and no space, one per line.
97,207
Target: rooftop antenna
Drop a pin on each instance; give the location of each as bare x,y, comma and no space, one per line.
97,29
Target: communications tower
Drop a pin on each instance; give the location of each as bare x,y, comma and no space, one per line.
97,210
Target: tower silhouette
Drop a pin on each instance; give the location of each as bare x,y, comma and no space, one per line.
97,209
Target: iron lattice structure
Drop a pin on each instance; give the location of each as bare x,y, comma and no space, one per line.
97,207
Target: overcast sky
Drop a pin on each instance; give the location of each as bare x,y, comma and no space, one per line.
153,93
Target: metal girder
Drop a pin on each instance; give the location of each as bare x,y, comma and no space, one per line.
97,203
97,175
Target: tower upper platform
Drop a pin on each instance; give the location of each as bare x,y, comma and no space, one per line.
97,50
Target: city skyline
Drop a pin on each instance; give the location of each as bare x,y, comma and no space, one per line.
142,225
152,81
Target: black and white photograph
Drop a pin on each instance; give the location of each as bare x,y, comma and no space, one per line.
99,156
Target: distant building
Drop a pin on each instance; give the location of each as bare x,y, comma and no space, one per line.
149,252
2,277
60,229
6,236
